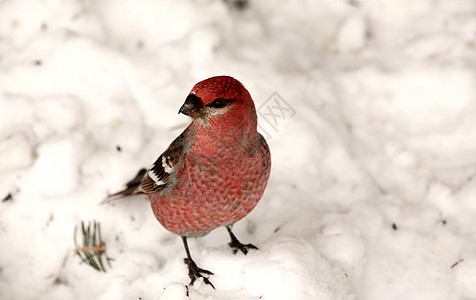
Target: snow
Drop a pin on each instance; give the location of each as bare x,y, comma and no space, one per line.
373,187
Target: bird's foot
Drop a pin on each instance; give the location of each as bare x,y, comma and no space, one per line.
194,272
236,245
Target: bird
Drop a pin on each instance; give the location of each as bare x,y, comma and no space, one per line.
214,173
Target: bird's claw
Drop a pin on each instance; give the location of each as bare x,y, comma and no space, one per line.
236,245
194,272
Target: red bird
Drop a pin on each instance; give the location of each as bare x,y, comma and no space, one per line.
214,173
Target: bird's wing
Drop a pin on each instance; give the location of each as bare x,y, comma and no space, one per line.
158,176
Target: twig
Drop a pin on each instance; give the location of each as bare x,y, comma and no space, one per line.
456,263
92,251
101,249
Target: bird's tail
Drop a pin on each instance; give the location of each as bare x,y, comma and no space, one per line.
132,188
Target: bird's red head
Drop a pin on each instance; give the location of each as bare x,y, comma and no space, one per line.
224,87
220,97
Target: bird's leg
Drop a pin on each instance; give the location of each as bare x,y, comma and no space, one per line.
236,245
194,272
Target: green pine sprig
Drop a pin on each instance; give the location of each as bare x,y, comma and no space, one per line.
93,249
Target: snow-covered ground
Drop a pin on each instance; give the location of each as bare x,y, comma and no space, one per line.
373,189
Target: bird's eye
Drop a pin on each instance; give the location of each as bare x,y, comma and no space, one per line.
218,103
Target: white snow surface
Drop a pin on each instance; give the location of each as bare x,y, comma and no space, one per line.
372,193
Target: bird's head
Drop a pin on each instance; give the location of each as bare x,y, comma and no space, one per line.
218,98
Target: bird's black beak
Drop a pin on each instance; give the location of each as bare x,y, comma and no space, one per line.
193,107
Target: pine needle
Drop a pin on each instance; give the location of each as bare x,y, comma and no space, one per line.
93,250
